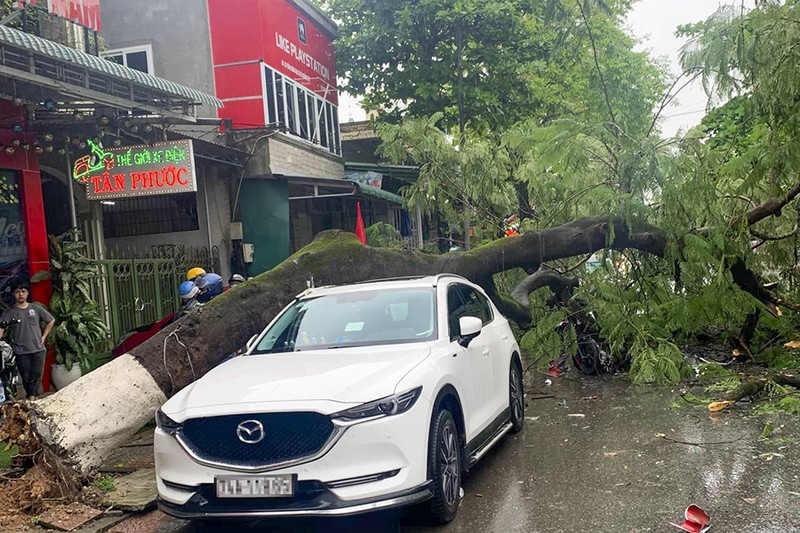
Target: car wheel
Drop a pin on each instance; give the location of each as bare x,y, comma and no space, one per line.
516,397
444,458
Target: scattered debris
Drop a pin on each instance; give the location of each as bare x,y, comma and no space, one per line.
751,501
577,415
716,407
610,454
68,517
548,382
696,520
134,492
532,418
588,398
542,397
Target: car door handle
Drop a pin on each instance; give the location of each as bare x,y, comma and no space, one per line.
504,337
485,352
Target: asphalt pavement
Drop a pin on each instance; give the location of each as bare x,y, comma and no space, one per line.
605,456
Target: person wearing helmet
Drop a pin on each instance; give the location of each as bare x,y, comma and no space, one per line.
188,292
235,280
194,273
210,285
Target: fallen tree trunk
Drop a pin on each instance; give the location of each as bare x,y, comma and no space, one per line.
92,417
103,409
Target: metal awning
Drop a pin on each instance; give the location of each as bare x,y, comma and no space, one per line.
339,187
374,192
40,62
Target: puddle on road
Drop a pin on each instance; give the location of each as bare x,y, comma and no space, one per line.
631,463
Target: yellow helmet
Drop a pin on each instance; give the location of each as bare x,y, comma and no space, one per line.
194,273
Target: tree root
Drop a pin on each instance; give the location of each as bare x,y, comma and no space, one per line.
47,476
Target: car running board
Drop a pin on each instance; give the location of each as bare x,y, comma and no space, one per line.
491,441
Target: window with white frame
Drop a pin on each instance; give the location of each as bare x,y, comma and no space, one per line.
136,57
300,111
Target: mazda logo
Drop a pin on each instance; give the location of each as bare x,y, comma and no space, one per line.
250,431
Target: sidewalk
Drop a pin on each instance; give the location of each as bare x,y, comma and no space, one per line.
128,506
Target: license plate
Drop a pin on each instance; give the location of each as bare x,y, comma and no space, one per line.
281,486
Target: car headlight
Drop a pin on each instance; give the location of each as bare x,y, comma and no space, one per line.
389,406
166,424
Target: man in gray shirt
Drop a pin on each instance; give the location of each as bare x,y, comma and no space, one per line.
28,337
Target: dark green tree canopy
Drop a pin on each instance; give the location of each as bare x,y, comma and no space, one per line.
493,63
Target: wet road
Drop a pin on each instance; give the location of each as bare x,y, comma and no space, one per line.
618,468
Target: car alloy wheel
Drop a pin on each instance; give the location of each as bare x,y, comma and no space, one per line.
516,400
449,464
445,462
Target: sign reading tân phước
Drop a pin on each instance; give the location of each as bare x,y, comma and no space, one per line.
131,171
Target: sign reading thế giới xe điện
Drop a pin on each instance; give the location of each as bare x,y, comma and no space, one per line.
131,171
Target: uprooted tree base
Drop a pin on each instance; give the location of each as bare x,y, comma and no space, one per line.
47,477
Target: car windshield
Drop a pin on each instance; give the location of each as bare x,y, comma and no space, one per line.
359,318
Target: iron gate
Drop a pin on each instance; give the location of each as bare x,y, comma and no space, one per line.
138,292
139,288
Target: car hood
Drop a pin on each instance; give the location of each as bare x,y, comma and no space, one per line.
345,376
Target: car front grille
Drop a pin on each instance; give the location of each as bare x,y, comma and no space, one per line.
288,437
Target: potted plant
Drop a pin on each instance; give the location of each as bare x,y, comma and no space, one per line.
80,331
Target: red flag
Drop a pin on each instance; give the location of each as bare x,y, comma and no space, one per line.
361,232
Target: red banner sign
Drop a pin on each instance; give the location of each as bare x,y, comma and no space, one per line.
83,12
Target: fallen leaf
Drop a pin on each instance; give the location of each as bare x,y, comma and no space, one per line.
737,353
793,344
610,454
716,407
751,501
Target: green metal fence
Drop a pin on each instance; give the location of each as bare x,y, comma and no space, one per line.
136,292
135,288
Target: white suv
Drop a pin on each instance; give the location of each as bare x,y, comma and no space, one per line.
353,399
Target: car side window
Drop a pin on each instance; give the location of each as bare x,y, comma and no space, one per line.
476,304
456,308
465,301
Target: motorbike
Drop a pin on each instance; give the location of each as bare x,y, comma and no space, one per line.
587,352
9,375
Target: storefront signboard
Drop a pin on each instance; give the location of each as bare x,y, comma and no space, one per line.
83,12
132,171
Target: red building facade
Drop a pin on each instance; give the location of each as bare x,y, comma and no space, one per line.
274,64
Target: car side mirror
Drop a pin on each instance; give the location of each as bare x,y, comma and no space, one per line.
470,327
251,342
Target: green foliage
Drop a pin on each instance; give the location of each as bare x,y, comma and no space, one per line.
105,483
549,139
80,333
767,431
493,62
725,385
662,365
694,399
779,358
383,235
712,372
787,404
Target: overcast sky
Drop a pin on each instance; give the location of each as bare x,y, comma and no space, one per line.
654,22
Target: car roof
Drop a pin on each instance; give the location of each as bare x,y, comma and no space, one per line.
379,284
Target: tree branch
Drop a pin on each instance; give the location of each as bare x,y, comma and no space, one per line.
772,206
